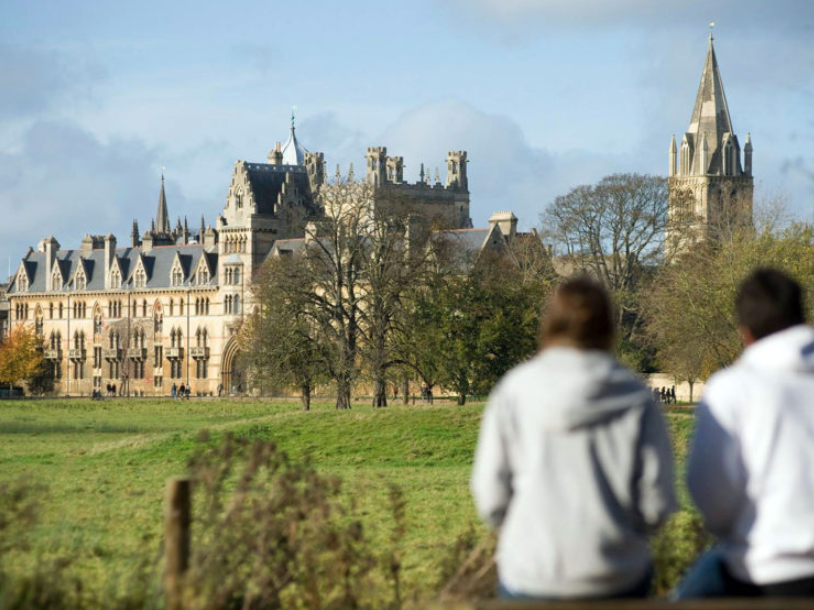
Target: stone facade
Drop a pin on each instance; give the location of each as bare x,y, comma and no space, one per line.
710,184
166,308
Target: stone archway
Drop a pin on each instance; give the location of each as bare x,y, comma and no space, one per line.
231,374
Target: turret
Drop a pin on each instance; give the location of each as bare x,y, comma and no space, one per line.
673,154
134,235
376,165
747,155
395,170
315,167
456,170
276,155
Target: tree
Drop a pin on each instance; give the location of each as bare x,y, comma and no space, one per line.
690,307
21,356
280,342
474,320
613,231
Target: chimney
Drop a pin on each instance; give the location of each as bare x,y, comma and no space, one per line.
110,254
507,222
50,246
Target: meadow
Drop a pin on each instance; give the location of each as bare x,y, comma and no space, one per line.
99,468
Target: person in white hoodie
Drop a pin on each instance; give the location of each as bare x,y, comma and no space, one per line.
573,462
751,466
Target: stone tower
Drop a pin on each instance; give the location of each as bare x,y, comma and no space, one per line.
709,188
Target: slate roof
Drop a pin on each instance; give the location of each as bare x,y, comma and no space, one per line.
266,182
157,263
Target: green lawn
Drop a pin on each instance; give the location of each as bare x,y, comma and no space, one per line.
103,466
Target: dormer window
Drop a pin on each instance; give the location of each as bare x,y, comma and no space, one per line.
22,283
56,281
115,279
177,278
203,276
140,278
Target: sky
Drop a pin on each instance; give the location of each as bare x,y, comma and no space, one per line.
96,97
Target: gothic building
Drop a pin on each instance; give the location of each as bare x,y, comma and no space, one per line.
710,182
165,309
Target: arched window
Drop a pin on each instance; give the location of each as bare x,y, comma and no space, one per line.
236,304
38,325
181,307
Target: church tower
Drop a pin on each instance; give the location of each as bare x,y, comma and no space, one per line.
710,189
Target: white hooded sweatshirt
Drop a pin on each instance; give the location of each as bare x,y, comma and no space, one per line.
574,466
751,468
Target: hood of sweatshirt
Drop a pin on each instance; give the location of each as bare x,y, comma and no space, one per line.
789,350
583,387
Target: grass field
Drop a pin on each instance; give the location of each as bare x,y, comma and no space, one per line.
103,466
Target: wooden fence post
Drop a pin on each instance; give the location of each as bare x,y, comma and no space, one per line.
176,540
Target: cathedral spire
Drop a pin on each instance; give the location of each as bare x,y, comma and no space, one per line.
710,115
162,218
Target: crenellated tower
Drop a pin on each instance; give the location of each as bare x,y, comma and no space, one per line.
710,189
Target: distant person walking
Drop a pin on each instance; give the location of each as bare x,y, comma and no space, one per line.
174,390
573,462
750,466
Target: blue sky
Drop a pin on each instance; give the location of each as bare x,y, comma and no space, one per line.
97,96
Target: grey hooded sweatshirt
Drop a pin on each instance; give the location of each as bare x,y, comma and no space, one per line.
574,466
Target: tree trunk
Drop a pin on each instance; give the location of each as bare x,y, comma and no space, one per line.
379,393
461,399
691,384
305,397
406,386
343,394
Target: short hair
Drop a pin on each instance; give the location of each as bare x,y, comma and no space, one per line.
579,313
769,301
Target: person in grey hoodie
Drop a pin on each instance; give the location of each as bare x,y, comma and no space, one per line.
750,467
573,463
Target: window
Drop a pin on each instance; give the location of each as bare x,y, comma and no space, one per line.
38,325
97,357
61,312
202,276
227,304
79,369
138,369
144,308
97,323
176,369
22,282
180,307
177,278
50,311
239,199
236,304
56,280
172,305
158,381
158,356
140,278
80,283
200,368
115,279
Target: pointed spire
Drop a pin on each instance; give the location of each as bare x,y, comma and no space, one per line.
421,174
710,115
350,173
162,218
202,230
338,174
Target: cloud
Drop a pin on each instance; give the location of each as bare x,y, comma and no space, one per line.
505,171
59,179
37,81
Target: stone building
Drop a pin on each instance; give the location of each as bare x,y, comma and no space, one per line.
165,308
710,182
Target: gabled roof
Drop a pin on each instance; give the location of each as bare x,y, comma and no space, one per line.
157,263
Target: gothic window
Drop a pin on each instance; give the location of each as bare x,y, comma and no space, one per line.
236,304
172,307
61,312
144,308
227,303
177,276
115,279
38,326
140,278
22,282
202,276
239,198
79,282
237,276
50,311
56,280
180,307
97,323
